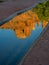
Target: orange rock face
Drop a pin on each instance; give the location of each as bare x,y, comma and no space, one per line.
23,24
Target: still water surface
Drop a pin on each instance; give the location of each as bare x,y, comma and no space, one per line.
13,49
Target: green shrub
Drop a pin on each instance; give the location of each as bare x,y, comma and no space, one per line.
42,9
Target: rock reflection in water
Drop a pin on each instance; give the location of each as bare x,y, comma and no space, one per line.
24,24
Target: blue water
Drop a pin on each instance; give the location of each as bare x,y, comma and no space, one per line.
13,49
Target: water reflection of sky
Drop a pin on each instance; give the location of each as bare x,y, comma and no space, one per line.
13,49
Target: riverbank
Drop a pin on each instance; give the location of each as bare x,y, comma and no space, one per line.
9,7
39,53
